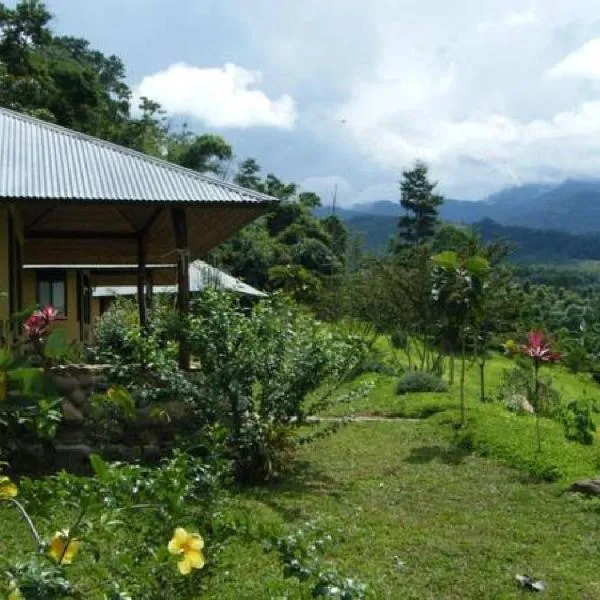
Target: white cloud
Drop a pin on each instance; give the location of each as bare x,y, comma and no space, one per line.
465,85
479,108
584,62
514,19
219,97
518,19
379,191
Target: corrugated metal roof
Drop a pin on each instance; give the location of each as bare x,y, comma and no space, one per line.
44,161
202,275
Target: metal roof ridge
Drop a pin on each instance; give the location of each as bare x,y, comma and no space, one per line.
135,153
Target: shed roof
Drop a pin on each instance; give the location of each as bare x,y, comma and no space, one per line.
202,275
43,161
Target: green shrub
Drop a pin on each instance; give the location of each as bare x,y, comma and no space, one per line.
258,369
300,555
112,330
143,362
399,339
257,377
420,381
376,361
579,426
574,355
123,519
518,382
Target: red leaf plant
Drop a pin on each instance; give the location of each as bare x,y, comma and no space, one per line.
540,351
37,325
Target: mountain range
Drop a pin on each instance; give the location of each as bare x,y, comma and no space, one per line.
571,207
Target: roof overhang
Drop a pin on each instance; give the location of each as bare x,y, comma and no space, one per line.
108,232
84,200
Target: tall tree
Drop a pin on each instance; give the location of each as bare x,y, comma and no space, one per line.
421,204
249,175
206,153
289,248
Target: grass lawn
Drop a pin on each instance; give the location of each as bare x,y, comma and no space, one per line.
421,520
414,516
383,401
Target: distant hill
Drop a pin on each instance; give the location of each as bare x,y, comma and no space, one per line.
530,245
572,206
382,208
542,245
374,230
548,223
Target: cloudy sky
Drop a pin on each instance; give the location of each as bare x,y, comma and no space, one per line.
489,92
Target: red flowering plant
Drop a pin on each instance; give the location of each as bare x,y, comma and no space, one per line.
37,327
540,351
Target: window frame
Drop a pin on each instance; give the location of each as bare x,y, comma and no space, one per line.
52,276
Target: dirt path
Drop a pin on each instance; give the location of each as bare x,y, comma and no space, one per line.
360,419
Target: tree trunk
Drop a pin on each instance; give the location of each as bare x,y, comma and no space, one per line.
451,375
462,381
536,392
482,380
408,353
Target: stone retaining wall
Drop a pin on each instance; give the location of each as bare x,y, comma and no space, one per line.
146,438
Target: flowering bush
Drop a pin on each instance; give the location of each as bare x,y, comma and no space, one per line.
188,547
181,490
538,349
540,352
151,533
28,400
37,326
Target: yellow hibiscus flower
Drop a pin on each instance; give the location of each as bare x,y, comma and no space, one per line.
188,546
62,549
7,488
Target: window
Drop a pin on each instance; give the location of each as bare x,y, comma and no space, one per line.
52,289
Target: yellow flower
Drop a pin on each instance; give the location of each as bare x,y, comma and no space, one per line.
189,547
62,549
7,488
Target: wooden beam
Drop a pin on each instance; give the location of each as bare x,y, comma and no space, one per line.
81,235
141,281
178,217
39,218
148,225
129,222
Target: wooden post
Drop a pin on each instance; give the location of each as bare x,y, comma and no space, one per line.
178,217
141,280
149,287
